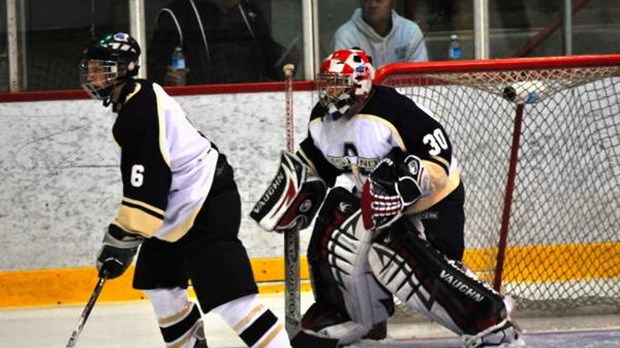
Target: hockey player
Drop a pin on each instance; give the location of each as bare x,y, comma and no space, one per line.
180,205
399,233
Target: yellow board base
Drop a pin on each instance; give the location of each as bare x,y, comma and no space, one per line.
523,264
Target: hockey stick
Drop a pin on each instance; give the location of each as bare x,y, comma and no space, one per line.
86,312
292,297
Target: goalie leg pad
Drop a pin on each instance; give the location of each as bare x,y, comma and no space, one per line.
292,198
340,273
420,276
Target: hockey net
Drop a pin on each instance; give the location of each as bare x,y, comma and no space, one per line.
542,177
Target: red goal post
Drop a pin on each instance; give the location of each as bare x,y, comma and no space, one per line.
538,142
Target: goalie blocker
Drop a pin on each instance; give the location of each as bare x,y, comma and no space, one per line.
292,198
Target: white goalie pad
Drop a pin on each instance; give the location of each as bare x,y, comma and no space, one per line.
349,261
342,281
292,198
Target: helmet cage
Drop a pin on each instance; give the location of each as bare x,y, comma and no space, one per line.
98,77
334,88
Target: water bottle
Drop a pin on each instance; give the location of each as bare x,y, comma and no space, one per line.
455,47
178,64
178,59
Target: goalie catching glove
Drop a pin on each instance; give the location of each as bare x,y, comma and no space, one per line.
117,252
292,198
396,183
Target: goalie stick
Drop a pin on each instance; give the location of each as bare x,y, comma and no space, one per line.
292,297
86,312
292,276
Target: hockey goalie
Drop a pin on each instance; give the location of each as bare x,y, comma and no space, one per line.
398,232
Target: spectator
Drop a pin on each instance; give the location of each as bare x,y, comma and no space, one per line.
224,41
387,37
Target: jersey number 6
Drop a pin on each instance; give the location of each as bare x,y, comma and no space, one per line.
137,175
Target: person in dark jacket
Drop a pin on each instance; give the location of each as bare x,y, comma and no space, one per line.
224,41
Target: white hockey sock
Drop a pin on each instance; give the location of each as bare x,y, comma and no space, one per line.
178,318
255,324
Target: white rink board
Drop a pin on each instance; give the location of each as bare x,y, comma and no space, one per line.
61,184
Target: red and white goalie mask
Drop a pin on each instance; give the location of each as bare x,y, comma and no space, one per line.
345,79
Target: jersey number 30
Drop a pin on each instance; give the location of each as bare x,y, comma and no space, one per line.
437,141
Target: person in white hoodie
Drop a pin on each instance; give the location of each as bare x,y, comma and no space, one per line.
387,37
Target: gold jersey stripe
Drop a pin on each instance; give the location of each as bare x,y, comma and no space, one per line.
160,119
441,161
181,229
136,220
397,136
147,207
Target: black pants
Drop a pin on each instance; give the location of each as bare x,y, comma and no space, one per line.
210,254
444,224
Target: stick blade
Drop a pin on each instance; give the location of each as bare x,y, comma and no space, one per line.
305,340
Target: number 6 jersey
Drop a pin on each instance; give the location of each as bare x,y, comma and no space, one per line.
167,166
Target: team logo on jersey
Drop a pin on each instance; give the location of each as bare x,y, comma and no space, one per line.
414,167
346,162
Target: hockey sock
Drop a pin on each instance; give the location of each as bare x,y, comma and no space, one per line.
178,318
256,325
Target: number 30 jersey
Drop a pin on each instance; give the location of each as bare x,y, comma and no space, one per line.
352,146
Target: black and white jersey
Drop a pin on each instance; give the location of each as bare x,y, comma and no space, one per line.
353,146
167,166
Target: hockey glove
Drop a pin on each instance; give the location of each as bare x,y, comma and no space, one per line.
394,185
117,252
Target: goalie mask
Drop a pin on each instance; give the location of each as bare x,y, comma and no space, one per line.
108,62
345,79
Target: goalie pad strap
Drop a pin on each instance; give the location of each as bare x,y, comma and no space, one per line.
420,276
292,198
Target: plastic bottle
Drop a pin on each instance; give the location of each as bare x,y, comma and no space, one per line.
178,64
178,59
455,47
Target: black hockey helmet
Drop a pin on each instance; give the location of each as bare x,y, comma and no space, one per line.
108,62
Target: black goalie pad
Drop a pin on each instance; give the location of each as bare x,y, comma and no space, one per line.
419,275
292,199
